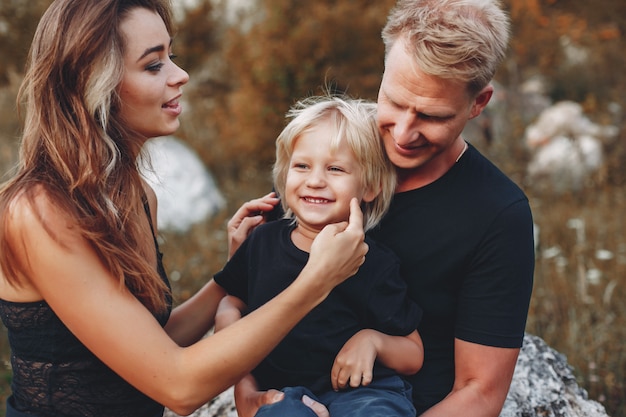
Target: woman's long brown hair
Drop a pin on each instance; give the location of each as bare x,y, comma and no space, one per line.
75,145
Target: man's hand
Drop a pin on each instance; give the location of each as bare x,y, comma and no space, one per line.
249,216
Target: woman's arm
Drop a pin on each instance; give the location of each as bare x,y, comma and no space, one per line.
119,330
354,364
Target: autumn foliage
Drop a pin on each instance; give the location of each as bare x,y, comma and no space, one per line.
290,50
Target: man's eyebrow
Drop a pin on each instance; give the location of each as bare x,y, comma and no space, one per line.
157,48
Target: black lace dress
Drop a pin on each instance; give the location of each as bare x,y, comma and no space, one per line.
54,374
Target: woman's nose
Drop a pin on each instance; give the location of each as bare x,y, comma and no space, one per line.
179,76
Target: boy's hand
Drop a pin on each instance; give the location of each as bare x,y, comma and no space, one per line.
354,363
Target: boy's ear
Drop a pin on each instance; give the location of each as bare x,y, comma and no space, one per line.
371,194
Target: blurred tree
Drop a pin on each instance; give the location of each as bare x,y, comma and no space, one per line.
196,36
575,46
18,20
601,35
291,50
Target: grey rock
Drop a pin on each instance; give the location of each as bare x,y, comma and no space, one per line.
543,385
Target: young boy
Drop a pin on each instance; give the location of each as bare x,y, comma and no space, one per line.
347,353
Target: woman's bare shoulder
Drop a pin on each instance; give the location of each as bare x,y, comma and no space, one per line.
24,222
35,209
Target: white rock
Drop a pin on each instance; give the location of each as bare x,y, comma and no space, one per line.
566,162
567,148
185,189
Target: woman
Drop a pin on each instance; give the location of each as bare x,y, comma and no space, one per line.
83,291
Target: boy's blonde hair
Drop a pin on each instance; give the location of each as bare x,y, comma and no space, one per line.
355,121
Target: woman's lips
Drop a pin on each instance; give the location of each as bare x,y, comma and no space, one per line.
173,106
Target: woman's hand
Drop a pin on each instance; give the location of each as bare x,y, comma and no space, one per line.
338,251
249,216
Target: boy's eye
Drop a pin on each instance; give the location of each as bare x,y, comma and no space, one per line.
336,169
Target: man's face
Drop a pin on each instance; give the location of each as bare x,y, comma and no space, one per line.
421,118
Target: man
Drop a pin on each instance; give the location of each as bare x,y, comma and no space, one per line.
462,229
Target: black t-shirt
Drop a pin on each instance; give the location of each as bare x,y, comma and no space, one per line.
465,244
375,298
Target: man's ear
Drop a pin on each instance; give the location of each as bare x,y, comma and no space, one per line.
481,101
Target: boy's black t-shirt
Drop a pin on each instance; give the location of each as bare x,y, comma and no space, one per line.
268,262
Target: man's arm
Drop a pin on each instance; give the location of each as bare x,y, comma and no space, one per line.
482,378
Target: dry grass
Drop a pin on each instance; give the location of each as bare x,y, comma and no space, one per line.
580,284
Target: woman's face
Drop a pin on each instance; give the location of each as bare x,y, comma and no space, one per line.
150,90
